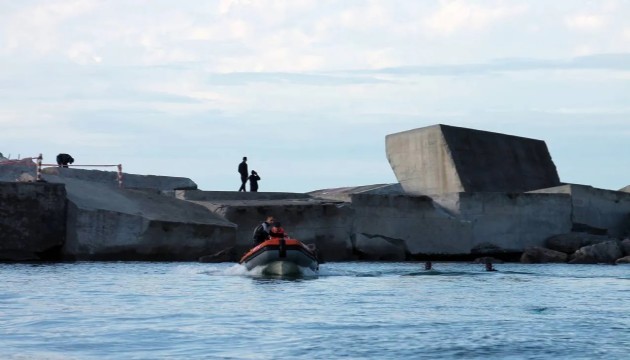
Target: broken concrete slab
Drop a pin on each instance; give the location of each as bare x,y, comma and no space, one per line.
107,223
595,208
461,223
130,181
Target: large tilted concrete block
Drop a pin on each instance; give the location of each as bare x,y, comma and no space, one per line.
456,224
446,159
597,209
130,181
32,221
106,223
327,224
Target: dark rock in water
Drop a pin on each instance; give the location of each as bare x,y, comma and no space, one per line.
226,255
623,260
606,252
570,242
540,255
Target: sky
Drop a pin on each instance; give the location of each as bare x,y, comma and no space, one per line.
308,89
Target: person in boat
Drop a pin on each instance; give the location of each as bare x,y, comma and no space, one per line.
262,231
277,231
253,181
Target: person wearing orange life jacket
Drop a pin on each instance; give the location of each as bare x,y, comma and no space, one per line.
277,231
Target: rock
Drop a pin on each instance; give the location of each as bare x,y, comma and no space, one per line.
540,255
625,246
225,255
26,177
607,252
623,260
570,242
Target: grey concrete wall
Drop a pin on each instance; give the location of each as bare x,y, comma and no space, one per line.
199,195
597,208
510,221
32,220
393,227
106,223
130,181
327,224
446,159
457,224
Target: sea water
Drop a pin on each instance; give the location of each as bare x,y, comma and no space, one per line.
359,310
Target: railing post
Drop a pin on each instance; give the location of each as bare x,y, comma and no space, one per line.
120,176
39,167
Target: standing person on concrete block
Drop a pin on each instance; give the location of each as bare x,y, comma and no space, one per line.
262,231
242,169
64,159
253,181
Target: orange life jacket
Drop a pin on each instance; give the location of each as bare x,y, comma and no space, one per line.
277,232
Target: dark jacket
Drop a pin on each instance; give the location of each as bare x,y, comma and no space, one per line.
242,169
253,182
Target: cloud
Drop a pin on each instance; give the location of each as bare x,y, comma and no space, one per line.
454,16
585,22
619,62
36,27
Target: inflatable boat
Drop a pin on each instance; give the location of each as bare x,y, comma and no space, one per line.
281,256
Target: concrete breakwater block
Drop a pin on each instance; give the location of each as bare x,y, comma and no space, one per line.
447,159
326,224
596,210
135,181
459,223
107,223
32,221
